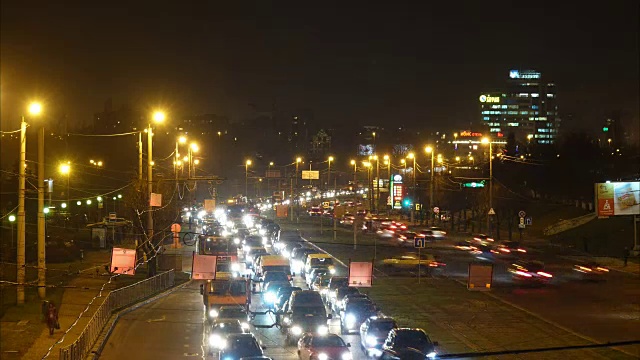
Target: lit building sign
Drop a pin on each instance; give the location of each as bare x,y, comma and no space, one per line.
525,74
489,99
467,133
397,191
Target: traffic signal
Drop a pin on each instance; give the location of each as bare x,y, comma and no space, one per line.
406,202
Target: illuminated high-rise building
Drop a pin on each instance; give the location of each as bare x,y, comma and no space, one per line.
526,106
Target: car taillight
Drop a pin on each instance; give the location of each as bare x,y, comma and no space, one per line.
602,269
505,250
545,274
522,250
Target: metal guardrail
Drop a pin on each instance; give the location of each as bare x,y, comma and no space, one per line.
115,300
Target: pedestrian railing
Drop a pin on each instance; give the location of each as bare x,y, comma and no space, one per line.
115,300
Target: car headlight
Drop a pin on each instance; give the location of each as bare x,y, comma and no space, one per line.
323,330
286,320
215,340
332,271
245,326
332,294
324,291
285,253
265,240
235,267
339,303
350,320
371,340
236,241
262,231
346,356
432,355
213,313
270,297
323,356
245,248
296,330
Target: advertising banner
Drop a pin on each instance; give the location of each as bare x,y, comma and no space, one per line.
209,205
310,175
282,211
360,274
618,198
123,261
203,267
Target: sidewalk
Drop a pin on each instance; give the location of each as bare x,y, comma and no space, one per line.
23,333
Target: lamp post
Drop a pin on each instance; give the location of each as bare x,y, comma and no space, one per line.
355,201
34,110
387,162
413,195
368,165
295,197
158,117
193,148
488,141
12,219
246,178
269,192
429,150
329,160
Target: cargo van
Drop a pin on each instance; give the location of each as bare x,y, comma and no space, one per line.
272,263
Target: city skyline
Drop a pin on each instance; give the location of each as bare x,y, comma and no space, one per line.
366,66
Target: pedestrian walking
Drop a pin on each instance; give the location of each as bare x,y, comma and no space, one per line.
625,256
52,318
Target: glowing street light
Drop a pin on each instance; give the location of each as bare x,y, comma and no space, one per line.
12,218
35,108
182,140
159,116
63,205
246,178
89,202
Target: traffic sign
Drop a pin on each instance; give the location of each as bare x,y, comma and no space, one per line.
522,213
419,242
521,221
521,226
436,210
492,212
112,217
528,221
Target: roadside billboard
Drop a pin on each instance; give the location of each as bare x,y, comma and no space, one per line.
310,175
282,211
618,198
203,267
210,205
123,261
480,277
360,274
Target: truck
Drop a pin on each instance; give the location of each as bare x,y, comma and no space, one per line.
225,292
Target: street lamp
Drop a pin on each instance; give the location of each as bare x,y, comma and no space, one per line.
246,178
12,219
429,150
488,141
158,117
413,209
369,166
329,160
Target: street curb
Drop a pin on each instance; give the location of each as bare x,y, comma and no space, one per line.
97,348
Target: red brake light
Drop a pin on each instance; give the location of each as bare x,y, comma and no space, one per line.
522,273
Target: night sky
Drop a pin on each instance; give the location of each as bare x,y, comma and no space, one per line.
389,63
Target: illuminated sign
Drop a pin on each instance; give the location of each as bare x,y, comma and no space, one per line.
397,191
525,74
618,198
489,99
469,133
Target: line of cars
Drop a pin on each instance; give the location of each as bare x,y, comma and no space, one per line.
303,315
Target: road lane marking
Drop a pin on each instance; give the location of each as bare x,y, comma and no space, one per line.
163,318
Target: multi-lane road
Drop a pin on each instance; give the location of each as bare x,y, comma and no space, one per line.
172,327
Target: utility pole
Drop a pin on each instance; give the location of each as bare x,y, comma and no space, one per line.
42,291
150,185
377,188
139,156
335,229
20,255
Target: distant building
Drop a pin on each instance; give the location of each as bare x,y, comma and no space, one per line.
110,121
320,145
526,106
206,124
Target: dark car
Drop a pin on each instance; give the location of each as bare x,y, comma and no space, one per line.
269,294
401,339
332,346
219,331
316,272
374,332
283,294
238,346
335,283
349,298
336,303
270,276
354,314
231,312
532,272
